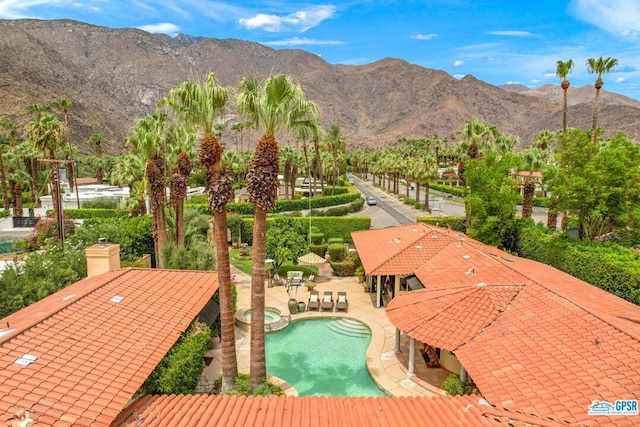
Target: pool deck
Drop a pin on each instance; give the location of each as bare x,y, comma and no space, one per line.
387,368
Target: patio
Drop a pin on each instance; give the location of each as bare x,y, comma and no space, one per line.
387,369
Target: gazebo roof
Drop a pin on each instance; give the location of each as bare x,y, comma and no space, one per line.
311,258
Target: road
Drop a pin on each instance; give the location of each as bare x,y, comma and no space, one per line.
390,211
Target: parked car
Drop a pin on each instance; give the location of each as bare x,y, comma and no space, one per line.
371,201
351,181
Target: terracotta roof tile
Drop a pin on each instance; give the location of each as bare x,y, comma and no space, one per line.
535,340
87,346
206,410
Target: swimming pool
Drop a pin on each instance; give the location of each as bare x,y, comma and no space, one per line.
324,356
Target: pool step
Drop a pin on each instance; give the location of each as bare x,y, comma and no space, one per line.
349,327
278,324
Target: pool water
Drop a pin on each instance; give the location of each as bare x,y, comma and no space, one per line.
323,357
270,314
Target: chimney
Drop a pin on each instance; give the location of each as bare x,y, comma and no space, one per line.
102,258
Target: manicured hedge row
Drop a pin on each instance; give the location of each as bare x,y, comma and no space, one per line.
454,222
456,191
329,226
92,213
246,208
609,266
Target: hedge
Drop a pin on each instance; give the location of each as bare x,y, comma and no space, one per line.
92,213
329,226
180,370
246,208
608,266
337,252
456,191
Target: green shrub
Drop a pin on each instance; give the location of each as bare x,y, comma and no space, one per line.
456,191
330,191
337,211
319,250
316,238
453,386
101,203
243,388
335,240
356,205
180,370
4,213
337,252
329,226
409,201
307,270
608,266
88,213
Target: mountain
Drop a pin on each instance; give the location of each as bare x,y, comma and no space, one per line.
575,95
115,76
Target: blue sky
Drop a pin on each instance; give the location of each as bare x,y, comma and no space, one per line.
494,40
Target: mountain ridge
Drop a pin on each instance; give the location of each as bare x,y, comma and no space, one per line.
115,76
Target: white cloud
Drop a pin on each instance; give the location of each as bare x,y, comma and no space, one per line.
621,17
458,76
621,80
511,82
299,21
511,33
297,41
424,36
162,27
458,63
535,81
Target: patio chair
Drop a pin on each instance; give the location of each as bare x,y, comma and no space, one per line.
327,301
314,301
311,278
342,303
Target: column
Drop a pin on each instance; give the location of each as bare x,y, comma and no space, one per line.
463,374
378,291
412,356
396,347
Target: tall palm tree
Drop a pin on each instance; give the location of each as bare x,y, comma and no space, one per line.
533,162
65,104
199,104
31,161
46,134
336,143
599,66
148,141
96,141
276,104
563,69
6,141
129,170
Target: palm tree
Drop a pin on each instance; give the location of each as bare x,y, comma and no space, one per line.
277,104
533,162
129,170
599,66
96,140
31,158
148,142
335,143
65,104
563,69
199,105
6,141
45,134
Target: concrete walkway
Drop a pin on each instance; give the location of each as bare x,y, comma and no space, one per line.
387,368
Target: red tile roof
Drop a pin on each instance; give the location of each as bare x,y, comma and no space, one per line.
534,339
400,250
94,343
209,410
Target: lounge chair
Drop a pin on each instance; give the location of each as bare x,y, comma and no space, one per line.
327,301
314,301
342,303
